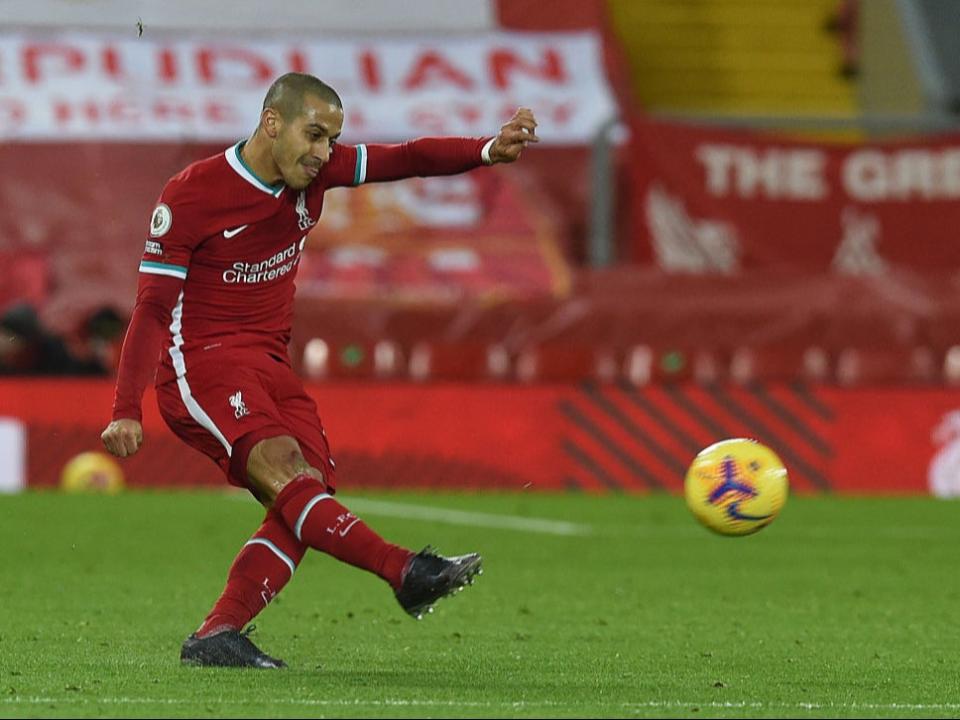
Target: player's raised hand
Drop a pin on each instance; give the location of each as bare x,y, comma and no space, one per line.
123,437
514,136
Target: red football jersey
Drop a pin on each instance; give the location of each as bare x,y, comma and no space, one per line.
220,261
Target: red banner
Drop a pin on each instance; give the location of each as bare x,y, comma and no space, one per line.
709,200
600,438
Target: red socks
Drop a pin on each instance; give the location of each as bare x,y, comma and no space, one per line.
264,565
303,515
319,521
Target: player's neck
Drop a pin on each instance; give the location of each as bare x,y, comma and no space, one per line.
256,155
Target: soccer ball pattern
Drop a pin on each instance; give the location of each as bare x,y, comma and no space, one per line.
736,487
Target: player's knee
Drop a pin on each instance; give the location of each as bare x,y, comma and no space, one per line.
274,453
274,462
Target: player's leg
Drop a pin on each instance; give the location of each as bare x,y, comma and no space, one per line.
428,576
261,570
267,560
282,477
299,492
297,476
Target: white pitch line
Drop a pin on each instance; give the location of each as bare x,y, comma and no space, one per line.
461,517
408,511
515,704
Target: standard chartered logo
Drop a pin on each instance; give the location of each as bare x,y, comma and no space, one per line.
266,270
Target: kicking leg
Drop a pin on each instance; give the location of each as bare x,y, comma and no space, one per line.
297,492
286,482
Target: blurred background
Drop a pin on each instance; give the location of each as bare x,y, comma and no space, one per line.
740,221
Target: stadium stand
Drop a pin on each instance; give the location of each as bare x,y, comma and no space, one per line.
734,56
690,295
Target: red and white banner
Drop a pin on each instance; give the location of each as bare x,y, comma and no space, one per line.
719,201
84,86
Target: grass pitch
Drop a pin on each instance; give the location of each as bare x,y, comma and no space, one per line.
589,607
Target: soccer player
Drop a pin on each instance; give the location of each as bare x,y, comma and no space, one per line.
214,304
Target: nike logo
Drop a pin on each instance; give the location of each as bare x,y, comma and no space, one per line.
343,533
236,231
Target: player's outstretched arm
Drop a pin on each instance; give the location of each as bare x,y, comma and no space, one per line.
431,156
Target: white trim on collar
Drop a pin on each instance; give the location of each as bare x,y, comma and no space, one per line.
236,162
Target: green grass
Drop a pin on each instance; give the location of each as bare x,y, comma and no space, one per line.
841,608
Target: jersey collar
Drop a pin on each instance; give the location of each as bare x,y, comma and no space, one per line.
235,159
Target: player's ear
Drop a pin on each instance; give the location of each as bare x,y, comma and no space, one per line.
270,122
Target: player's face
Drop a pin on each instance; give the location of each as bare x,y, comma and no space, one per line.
305,144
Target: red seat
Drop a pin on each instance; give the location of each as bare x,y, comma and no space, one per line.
462,361
566,363
889,365
645,364
951,365
323,360
779,363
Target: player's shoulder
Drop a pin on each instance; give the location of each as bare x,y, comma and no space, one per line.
192,199
342,170
345,156
197,179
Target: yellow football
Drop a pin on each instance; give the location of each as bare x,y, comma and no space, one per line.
736,486
92,472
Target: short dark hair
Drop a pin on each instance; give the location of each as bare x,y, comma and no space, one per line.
287,93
